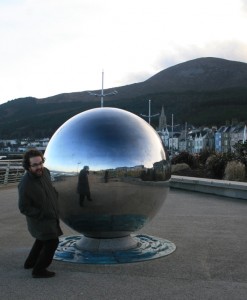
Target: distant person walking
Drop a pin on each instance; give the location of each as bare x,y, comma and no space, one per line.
38,201
83,188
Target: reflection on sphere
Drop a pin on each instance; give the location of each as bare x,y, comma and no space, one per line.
111,171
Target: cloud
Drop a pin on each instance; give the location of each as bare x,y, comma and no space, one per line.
244,6
54,46
231,50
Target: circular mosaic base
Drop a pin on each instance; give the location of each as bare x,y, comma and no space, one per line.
148,247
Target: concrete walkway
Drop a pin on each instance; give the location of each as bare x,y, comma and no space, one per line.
210,262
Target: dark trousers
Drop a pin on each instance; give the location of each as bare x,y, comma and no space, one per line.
82,197
41,254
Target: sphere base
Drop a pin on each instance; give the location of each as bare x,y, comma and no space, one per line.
79,249
112,244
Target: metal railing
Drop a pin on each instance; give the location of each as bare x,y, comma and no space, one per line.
11,171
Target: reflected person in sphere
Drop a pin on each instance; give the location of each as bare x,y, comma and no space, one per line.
38,201
83,188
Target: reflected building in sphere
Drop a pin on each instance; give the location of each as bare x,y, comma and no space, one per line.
124,177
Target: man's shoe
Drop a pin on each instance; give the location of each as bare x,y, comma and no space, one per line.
43,274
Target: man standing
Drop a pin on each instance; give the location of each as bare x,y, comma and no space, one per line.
38,201
83,188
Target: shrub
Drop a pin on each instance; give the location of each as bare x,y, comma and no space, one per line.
216,164
235,171
180,167
241,152
185,157
203,156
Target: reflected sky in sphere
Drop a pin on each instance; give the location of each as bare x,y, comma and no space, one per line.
104,138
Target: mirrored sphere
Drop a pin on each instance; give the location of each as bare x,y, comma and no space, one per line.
111,171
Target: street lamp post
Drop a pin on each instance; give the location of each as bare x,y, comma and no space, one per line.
102,95
172,137
149,113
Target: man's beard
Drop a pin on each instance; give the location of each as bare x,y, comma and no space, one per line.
38,172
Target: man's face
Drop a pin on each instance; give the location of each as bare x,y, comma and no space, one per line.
36,166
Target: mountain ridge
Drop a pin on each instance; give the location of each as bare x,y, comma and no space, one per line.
167,80
203,91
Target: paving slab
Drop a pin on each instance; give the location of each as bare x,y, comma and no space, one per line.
209,262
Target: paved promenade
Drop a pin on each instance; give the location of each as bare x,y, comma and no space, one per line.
210,262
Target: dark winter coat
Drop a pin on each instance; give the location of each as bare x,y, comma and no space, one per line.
38,201
83,185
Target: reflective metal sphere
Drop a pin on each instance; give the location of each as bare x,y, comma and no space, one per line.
111,171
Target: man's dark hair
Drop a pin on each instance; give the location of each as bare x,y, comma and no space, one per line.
31,153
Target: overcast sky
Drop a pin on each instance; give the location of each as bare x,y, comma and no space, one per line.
50,47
